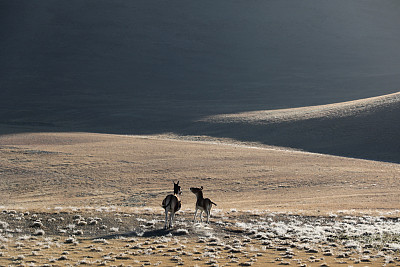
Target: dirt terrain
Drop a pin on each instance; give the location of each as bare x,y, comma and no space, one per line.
80,198
60,169
286,112
125,237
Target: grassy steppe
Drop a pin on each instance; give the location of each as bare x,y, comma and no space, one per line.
79,198
96,169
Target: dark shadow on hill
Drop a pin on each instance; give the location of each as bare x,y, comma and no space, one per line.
372,135
151,67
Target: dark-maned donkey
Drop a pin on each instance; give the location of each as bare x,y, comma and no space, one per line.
172,204
203,204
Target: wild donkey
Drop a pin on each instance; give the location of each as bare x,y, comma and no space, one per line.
172,204
204,204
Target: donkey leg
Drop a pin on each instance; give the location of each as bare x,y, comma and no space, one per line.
171,219
166,219
201,216
195,213
208,216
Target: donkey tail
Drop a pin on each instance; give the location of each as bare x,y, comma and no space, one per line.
166,201
213,203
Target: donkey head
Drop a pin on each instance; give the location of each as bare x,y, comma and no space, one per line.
177,188
196,190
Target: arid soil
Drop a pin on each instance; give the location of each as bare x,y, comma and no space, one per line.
104,104
78,169
79,198
135,237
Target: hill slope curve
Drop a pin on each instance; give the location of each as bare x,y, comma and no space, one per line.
366,128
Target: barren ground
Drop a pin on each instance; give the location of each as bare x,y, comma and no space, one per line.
81,169
79,198
199,92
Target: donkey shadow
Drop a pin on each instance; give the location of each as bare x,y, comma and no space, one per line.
151,233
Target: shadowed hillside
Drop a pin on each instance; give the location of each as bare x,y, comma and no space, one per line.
149,67
367,128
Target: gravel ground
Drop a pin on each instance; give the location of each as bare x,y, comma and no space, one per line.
136,237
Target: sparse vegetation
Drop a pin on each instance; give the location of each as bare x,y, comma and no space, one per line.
302,225
289,239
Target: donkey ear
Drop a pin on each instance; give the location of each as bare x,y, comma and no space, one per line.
201,187
177,183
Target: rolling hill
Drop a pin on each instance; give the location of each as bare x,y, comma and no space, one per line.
103,103
366,128
151,67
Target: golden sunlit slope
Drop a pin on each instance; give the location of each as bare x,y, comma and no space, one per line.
330,111
82,169
366,128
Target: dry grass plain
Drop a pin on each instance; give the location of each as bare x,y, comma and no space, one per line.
192,87
81,198
78,169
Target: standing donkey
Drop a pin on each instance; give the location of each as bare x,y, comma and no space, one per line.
203,204
172,204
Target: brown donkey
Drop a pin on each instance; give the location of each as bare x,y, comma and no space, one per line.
203,204
172,204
